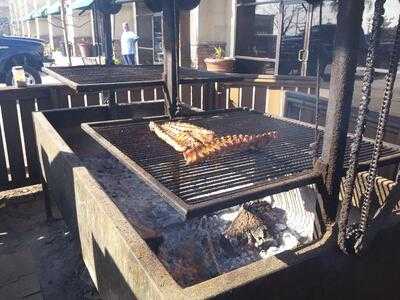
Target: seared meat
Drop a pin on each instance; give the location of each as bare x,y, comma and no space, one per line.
181,136
227,143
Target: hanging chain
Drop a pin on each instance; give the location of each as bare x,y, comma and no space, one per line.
380,131
360,126
316,130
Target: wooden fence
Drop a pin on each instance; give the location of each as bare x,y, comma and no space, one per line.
18,158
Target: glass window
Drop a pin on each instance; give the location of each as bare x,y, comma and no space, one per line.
258,29
157,39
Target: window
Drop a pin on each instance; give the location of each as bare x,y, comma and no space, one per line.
157,39
258,29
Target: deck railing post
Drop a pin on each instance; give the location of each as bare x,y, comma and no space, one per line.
341,93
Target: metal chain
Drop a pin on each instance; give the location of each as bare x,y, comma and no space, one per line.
360,126
380,131
317,100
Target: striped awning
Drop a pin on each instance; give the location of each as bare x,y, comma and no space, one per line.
82,4
53,9
39,13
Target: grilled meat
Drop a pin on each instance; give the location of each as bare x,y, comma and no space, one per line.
227,143
167,137
201,134
182,136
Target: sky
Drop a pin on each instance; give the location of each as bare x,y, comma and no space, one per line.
392,10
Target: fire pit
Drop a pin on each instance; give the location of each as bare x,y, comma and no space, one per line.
136,245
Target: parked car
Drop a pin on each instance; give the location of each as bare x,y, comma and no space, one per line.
321,37
21,51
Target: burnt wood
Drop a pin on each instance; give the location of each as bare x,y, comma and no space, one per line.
341,93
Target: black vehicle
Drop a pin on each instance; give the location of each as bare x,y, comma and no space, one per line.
322,37
20,51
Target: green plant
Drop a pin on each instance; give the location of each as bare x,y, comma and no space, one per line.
219,53
117,61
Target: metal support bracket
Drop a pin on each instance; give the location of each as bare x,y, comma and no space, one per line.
171,55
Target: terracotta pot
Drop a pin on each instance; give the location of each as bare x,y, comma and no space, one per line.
221,65
85,49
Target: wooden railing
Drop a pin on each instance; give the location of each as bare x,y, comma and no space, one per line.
302,107
263,93
18,158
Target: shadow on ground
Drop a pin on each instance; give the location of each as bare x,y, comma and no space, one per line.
56,261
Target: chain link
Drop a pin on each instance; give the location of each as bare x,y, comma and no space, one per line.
360,126
356,234
380,131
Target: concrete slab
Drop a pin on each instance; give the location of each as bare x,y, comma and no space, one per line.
18,278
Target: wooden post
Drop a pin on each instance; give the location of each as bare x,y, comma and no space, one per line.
209,96
171,55
184,39
65,31
341,94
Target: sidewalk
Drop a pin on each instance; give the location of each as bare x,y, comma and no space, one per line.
38,260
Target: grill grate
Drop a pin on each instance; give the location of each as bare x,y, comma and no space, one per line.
95,78
202,187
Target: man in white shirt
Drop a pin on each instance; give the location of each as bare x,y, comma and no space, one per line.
128,45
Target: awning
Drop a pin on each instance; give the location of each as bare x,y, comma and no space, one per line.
82,4
39,13
53,9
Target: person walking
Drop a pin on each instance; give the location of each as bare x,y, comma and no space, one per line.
128,45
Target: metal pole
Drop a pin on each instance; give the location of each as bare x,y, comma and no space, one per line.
307,35
96,32
279,37
318,87
341,93
109,95
108,49
65,31
171,55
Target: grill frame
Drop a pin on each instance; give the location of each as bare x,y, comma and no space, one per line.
92,78
261,189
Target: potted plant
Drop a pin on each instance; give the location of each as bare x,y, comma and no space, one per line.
220,63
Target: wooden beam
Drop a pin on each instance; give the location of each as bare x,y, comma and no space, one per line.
341,94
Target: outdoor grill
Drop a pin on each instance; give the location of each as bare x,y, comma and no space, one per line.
227,179
102,77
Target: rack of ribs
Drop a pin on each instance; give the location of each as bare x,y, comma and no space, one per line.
182,136
197,143
227,143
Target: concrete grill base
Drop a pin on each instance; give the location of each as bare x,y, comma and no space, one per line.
118,251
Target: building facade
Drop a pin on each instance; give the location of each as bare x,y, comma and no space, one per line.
246,29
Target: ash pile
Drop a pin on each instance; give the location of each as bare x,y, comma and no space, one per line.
206,247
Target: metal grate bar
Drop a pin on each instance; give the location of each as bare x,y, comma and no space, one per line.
225,175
